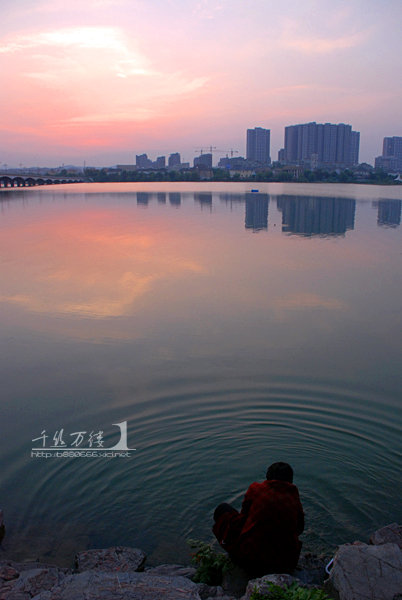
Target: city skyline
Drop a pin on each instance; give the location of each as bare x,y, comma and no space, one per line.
104,81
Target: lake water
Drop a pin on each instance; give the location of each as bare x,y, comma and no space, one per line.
229,329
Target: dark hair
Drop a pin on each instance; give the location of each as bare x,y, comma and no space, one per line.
281,471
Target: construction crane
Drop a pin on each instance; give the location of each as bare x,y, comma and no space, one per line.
227,152
201,150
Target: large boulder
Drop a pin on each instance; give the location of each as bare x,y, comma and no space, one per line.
98,585
172,570
365,572
116,558
26,583
389,534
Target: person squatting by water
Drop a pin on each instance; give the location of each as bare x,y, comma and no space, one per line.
263,537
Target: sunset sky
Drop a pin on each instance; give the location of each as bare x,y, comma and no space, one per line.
102,80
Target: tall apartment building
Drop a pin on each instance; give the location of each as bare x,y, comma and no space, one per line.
391,159
142,161
204,160
316,144
160,162
258,145
392,146
174,159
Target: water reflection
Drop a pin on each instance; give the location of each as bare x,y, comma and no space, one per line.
175,198
203,198
389,213
138,304
308,216
143,198
301,214
257,211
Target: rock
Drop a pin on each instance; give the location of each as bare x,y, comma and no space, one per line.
7,572
30,565
98,585
29,583
172,570
116,558
261,584
362,572
389,534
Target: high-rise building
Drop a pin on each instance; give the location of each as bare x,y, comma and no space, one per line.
355,144
391,159
160,162
321,145
392,146
142,161
258,145
204,160
174,159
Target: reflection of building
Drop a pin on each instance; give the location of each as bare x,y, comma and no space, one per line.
258,145
256,211
389,213
307,215
203,197
161,197
142,198
175,198
316,144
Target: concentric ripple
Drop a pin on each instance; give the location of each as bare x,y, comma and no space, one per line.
199,443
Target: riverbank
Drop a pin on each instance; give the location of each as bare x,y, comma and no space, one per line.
359,570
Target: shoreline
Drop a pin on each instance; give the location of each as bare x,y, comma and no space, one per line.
374,569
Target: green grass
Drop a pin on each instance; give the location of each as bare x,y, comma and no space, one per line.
210,565
292,592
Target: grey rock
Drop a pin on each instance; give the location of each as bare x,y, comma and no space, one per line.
29,583
30,565
172,570
362,572
261,584
8,572
98,585
389,534
116,558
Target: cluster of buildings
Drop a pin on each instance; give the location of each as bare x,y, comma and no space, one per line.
307,146
391,159
316,145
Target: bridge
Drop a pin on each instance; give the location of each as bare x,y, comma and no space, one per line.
13,180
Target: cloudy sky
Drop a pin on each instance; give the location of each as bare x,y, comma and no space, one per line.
102,80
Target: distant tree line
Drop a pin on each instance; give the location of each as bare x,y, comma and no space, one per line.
377,176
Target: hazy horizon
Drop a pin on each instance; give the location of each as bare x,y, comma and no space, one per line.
110,79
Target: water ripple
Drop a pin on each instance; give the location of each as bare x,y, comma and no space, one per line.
199,443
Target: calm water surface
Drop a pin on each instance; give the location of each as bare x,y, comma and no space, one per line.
229,329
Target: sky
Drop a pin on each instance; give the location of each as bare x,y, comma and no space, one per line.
99,81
